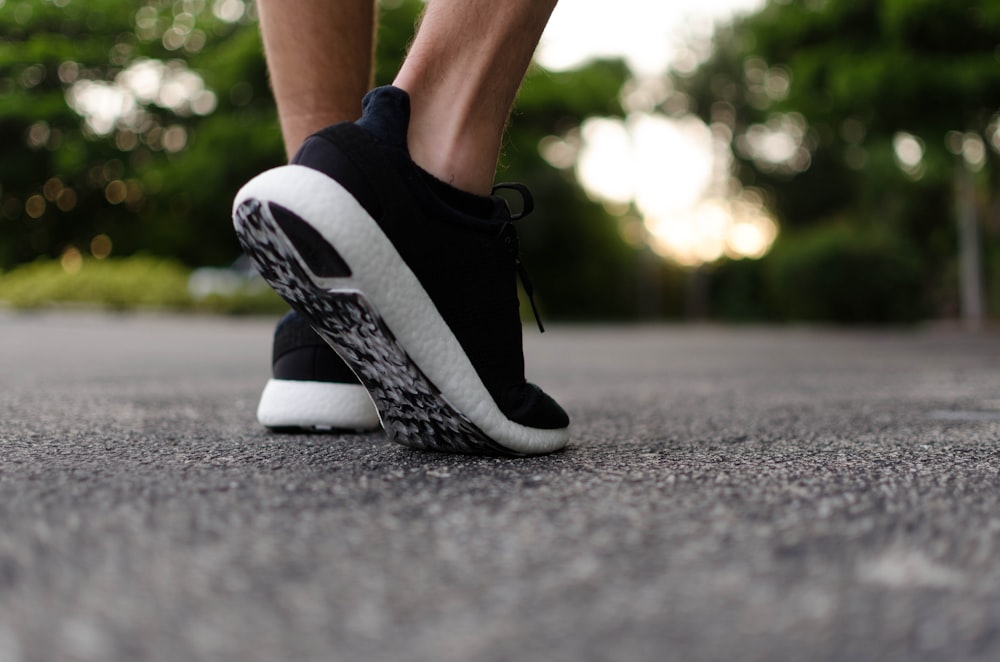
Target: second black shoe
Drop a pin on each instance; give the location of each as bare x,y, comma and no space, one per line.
411,281
311,388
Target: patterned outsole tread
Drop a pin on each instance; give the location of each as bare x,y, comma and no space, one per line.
413,411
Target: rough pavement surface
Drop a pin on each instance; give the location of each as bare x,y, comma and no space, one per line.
730,494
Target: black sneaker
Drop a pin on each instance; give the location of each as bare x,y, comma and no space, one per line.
311,388
412,281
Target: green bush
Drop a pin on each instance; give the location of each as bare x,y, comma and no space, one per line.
114,283
842,273
249,301
123,283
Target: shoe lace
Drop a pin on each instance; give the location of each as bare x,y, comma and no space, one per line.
508,234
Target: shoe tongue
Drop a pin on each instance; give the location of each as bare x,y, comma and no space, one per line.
386,115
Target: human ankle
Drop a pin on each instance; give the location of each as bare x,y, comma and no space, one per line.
449,134
462,158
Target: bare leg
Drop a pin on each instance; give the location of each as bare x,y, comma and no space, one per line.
462,74
320,56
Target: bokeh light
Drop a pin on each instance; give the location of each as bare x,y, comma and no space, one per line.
121,105
100,246
909,153
35,206
71,260
115,191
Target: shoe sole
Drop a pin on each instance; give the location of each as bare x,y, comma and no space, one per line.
287,404
365,302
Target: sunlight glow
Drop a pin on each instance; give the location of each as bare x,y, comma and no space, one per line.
661,164
713,228
604,165
669,171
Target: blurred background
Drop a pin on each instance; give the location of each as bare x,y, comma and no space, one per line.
732,160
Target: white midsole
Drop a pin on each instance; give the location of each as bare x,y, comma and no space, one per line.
388,283
287,403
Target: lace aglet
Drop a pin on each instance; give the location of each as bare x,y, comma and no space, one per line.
530,291
538,320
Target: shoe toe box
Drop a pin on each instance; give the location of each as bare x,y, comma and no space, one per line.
532,407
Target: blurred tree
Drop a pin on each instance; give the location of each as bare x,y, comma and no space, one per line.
129,127
864,110
122,122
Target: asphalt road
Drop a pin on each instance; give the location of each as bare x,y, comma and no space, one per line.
729,494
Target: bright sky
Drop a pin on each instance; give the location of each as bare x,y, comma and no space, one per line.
649,33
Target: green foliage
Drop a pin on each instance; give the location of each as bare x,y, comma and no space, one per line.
54,51
928,65
739,291
857,73
140,281
259,300
180,192
924,67
838,273
552,98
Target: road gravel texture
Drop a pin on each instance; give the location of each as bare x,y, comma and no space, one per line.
744,493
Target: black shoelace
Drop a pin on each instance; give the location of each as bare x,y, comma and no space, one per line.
508,234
